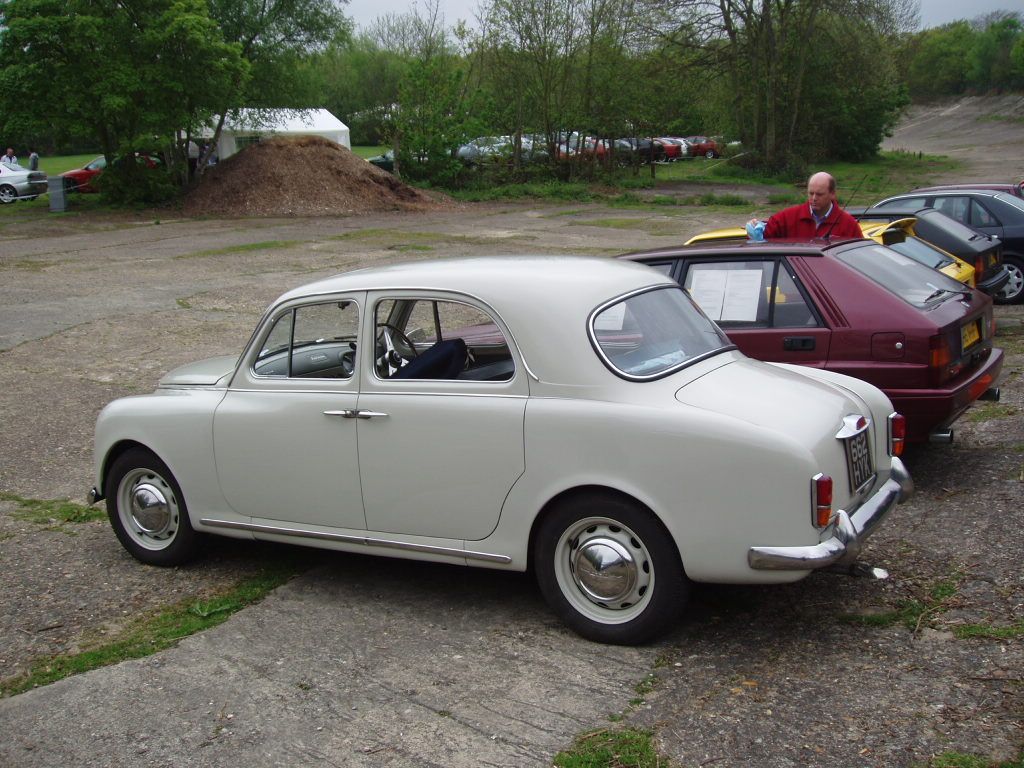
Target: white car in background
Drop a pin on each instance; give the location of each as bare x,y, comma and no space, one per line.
17,183
577,416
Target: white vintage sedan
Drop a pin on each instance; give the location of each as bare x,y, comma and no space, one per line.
579,417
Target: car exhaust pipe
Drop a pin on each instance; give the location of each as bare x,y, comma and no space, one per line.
942,436
991,394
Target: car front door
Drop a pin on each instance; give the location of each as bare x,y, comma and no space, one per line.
761,306
284,435
441,416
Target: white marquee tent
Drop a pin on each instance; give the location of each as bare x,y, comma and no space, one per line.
252,126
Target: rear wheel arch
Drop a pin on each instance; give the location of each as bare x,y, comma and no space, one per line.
607,565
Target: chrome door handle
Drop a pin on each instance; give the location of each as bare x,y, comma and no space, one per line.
350,414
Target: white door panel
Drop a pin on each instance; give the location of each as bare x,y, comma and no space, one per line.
280,457
439,464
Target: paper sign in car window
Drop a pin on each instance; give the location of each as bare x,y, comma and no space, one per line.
727,295
612,319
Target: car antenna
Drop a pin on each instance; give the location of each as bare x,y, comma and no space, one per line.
846,205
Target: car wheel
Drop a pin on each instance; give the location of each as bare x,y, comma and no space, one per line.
147,510
609,569
8,194
1013,291
710,154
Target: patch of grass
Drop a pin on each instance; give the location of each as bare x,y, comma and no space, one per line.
999,119
393,238
411,247
548,190
989,631
154,632
266,245
612,748
614,223
50,511
960,760
785,199
988,411
915,612
366,151
183,303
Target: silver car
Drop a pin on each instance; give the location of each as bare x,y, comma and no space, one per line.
17,183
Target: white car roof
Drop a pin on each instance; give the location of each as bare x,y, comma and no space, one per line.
544,300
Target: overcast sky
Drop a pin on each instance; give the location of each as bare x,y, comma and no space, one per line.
933,12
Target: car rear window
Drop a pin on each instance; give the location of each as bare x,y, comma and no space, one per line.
923,253
916,284
651,333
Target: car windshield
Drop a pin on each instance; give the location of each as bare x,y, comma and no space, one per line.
650,334
916,284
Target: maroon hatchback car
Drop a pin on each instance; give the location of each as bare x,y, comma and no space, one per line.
854,307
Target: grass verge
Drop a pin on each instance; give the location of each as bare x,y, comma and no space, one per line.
148,634
266,245
52,511
960,760
612,748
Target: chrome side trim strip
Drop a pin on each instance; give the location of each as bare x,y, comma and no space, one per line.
367,541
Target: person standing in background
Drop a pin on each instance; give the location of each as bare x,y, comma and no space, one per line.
10,158
33,160
820,216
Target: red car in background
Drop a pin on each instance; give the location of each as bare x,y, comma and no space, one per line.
81,179
853,307
704,146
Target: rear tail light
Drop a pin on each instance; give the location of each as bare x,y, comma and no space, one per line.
897,433
821,499
979,268
940,360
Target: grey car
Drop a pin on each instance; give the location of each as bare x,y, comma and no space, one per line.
17,183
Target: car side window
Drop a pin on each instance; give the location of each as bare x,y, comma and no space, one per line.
732,293
789,309
439,339
312,341
955,207
980,216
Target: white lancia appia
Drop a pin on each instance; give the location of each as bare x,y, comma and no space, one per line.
577,416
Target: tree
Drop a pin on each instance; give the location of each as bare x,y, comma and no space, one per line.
127,74
939,60
275,38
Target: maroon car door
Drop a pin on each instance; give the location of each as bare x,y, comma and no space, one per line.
762,306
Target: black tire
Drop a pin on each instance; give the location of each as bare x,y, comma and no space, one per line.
8,194
710,154
147,510
640,595
1013,291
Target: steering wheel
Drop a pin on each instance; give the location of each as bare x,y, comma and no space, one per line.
389,357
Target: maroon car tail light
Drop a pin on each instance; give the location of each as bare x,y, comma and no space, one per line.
940,360
821,499
979,267
897,433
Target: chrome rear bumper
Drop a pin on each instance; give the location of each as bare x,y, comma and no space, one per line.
849,531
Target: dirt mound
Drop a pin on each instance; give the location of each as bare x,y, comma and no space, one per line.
303,176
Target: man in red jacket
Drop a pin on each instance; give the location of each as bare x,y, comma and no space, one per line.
820,216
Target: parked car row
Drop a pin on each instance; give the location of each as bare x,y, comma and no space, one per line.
986,211
536,148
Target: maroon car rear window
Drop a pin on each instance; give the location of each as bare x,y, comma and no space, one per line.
916,284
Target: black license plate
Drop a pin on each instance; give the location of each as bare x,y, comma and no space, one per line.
858,459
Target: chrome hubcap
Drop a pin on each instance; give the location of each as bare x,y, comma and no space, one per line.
150,509
604,569
1015,284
